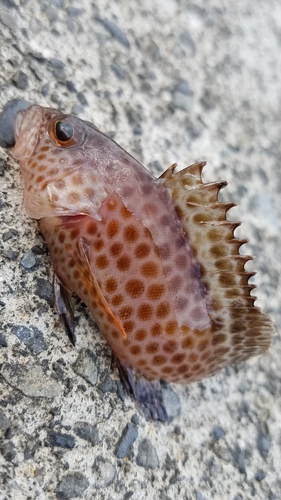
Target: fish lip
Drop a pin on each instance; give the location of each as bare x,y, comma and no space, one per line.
27,126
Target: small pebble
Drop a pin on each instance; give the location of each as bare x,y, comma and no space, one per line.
4,421
182,101
10,254
106,383
45,89
70,86
2,166
39,250
72,485
28,260
20,80
147,456
74,11
199,496
104,473
87,431
263,444
82,99
77,109
7,450
61,440
135,419
9,234
3,342
260,475
183,87
44,290
115,31
137,130
31,380
218,432
31,336
171,403
86,366
128,437
118,71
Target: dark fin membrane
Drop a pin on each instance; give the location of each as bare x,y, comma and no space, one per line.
147,393
239,328
65,309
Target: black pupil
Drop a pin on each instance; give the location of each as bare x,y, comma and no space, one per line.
64,131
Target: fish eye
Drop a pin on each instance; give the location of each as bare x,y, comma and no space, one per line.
66,132
63,132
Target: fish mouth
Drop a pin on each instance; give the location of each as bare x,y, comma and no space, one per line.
27,127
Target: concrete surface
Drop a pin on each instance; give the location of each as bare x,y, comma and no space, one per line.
170,80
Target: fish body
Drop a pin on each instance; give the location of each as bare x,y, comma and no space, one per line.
155,260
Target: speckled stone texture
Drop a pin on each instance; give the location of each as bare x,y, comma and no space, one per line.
171,81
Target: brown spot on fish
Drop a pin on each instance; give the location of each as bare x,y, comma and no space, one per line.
140,335
73,197
102,261
123,263
159,360
170,346
91,228
135,350
61,237
178,358
134,288
152,347
98,245
116,249
149,269
126,214
112,228
156,330
74,233
117,300
77,180
125,312
162,310
128,326
145,312
111,285
155,291
130,234
142,251
171,327
188,342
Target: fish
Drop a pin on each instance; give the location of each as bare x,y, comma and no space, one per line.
155,260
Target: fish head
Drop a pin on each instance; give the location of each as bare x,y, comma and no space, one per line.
54,152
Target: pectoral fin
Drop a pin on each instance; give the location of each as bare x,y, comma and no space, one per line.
65,308
91,283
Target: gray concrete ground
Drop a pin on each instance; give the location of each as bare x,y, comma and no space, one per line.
170,80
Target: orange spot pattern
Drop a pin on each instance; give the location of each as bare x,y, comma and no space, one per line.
129,271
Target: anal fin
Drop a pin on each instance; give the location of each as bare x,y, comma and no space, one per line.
147,393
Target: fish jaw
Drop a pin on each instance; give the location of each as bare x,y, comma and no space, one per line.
26,132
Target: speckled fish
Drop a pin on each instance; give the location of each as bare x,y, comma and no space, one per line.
155,260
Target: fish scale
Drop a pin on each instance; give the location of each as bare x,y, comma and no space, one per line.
155,260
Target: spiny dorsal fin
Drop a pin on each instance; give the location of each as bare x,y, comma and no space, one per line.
236,320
